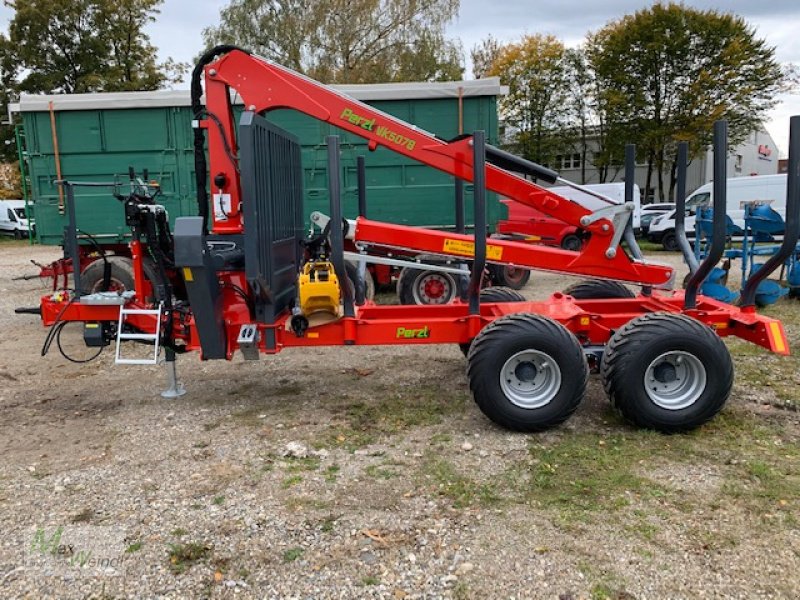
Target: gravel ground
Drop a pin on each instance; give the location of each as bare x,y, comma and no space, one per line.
368,473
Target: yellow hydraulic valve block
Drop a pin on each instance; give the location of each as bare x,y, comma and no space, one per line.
319,288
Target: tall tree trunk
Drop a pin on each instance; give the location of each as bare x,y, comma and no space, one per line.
673,178
583,153
649,180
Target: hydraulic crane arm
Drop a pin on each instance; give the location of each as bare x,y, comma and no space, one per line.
264,85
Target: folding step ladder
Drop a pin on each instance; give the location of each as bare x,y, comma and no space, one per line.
153,338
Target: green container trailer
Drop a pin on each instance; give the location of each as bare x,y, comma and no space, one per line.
98,136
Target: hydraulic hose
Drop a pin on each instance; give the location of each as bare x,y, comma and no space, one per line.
200,166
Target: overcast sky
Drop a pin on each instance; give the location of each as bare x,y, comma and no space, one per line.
177,31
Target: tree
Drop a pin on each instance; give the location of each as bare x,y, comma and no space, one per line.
8,150
86,46
483,56
669,71
346,41
535,108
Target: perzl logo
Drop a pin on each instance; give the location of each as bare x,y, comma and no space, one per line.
423,333
351,117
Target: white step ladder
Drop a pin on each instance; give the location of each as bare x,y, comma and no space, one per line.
154,338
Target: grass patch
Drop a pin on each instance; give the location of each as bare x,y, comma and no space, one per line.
370,580
586,472
380,472
134,547
291,481
332,473
461,489
183,556
299,465
391,411
292,554
218,500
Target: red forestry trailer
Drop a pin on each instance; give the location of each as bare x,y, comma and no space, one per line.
243,275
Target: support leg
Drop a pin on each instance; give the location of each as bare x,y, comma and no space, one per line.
175,389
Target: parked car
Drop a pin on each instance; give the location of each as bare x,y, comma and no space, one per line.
764,189
13,219
651,211
532,225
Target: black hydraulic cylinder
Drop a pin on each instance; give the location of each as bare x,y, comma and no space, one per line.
511,162
720,193
361,173
792,229
479,197
336,237
680,208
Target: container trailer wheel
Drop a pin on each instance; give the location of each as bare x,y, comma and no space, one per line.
369,282
667,372
495,294
121,274
509,276
598,289
422,286
527,372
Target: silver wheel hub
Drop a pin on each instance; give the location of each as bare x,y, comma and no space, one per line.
433,288
675,380
530,379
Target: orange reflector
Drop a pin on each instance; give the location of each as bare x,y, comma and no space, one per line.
585,321
722,325
778,339
312,334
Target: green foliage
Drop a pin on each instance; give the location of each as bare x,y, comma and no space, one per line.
183,556
669,71
292,554
535,71
346,41
483,56
74,46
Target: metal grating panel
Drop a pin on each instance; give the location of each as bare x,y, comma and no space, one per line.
272,199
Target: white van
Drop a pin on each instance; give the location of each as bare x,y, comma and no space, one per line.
13,219
766,189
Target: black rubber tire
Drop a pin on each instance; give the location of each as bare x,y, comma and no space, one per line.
121,274
495,294
670,242
515,278
502,339
17,234
411,279
572,242
369,282
598,289
638,343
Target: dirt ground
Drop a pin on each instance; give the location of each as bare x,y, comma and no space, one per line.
370,473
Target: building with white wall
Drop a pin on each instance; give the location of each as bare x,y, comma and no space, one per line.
756,155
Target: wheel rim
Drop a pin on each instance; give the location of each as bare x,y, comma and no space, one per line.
433,288
514,275
675,380
114,285
530,379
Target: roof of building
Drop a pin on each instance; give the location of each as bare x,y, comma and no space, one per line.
489,86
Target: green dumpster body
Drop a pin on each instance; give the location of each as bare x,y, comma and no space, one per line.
100,135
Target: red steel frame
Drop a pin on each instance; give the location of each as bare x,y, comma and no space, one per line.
263,86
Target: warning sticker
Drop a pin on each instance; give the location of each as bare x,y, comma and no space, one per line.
465,248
